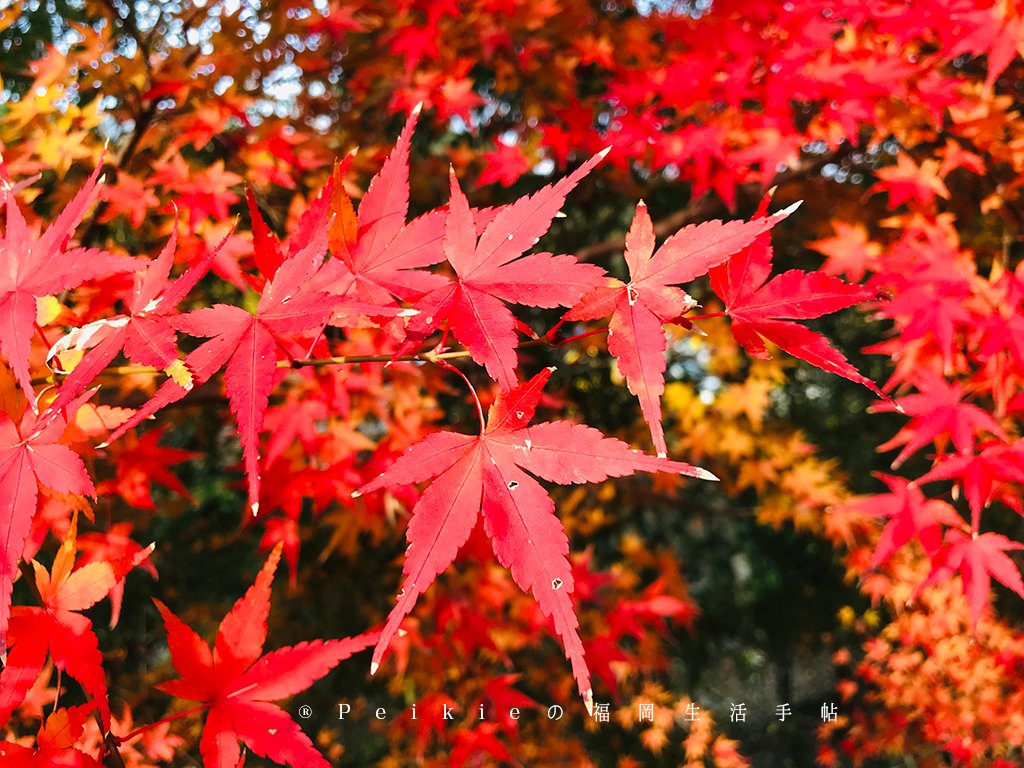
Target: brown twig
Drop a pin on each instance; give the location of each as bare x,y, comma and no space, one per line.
321,362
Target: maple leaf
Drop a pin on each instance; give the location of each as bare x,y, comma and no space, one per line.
937,413
203,193
32,267
237,682
55,743
977,557
128,197
291,302
984,476
993,31
910,515
640,308
382,255
58,628
492,270
849,251
484,475
31,458
907,181
115,546
339,19
140,463
504,166
146,333
761,308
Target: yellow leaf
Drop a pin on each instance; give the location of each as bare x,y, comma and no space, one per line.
47,309
181,375
68,360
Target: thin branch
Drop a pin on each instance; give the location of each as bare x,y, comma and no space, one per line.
322,362
169,719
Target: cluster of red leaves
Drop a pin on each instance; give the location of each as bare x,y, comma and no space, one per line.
957,378
377,259
787,77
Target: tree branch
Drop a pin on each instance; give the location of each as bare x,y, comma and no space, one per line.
429,356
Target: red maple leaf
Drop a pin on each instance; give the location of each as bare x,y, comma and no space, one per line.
383,255
505,165
380,256
761,308
988,474
938,413
141,462
639,309
204,193
492,270
31,458
292,302
911,515
55,743
484,475
146,333
115,546
909,182
130,197
248,343
35,266
993,31
977,557
237,682
58,628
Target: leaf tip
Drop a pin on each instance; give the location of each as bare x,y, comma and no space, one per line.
374,666
703,474
255,507
789,209
102,445
356,494
416,110
604,152
588,700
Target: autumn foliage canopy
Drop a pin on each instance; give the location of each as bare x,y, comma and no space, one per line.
367,287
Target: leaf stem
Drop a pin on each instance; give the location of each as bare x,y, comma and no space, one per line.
579,336
170,718
476,398
42,335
